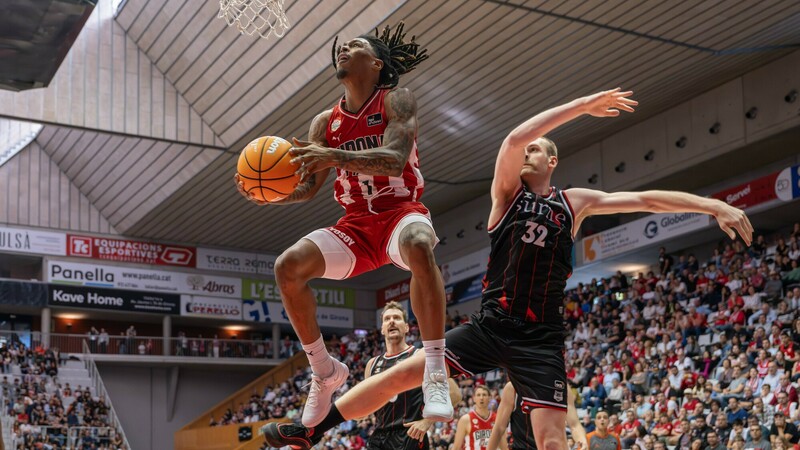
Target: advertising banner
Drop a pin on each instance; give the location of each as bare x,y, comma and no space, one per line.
464,290
466,266
211,307
113,299
32,241
63,272
639,233
241,262
394,293
272,312
454,271
787,184
125,250
267,290
752,193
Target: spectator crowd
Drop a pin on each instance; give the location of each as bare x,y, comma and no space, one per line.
695,354
45,414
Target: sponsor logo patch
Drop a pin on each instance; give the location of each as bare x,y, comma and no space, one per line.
375,119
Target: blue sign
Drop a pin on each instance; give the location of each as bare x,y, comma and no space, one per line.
464,290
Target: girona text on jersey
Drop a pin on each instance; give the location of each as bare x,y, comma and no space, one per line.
364,130
531,257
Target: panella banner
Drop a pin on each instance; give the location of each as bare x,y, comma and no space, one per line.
125,250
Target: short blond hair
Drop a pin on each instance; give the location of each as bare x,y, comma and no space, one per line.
549,146
481,387
395,305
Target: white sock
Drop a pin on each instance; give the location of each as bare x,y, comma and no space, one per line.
434,356
317,354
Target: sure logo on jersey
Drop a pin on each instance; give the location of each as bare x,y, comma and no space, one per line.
543,209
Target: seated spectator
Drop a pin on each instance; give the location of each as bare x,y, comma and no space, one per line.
756,439
783,431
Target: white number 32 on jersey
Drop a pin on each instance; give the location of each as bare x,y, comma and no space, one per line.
535,234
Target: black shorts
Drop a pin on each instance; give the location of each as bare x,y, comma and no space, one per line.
395,439
532,354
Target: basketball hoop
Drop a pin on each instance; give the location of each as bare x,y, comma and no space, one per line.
262,17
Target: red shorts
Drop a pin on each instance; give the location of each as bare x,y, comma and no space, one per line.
361,242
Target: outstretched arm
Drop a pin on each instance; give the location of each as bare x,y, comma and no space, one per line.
589,202
388,159
502,418
512,152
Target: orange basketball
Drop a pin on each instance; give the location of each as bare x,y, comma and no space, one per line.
265,169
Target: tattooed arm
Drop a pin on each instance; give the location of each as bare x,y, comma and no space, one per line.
310,185
389,159
398,140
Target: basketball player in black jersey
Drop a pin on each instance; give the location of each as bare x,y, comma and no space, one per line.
510,411
520,327
399,424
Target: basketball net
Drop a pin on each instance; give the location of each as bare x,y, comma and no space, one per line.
262,17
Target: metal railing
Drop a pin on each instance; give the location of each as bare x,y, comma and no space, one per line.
100,391
155,345
68,438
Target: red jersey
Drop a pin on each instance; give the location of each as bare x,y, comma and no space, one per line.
629,426
762,367
788,352
361,131
664,426
479,431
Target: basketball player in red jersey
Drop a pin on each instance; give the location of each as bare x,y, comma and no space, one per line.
520,327
369,137
474,427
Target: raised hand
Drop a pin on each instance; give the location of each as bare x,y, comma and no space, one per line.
609,103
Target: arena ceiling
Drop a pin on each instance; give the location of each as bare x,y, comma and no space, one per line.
492,65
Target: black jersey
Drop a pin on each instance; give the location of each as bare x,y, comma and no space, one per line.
402,408
521,429
531,257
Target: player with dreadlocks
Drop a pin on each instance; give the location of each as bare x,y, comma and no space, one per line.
369,137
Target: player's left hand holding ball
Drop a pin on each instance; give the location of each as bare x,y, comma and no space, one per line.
311,157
